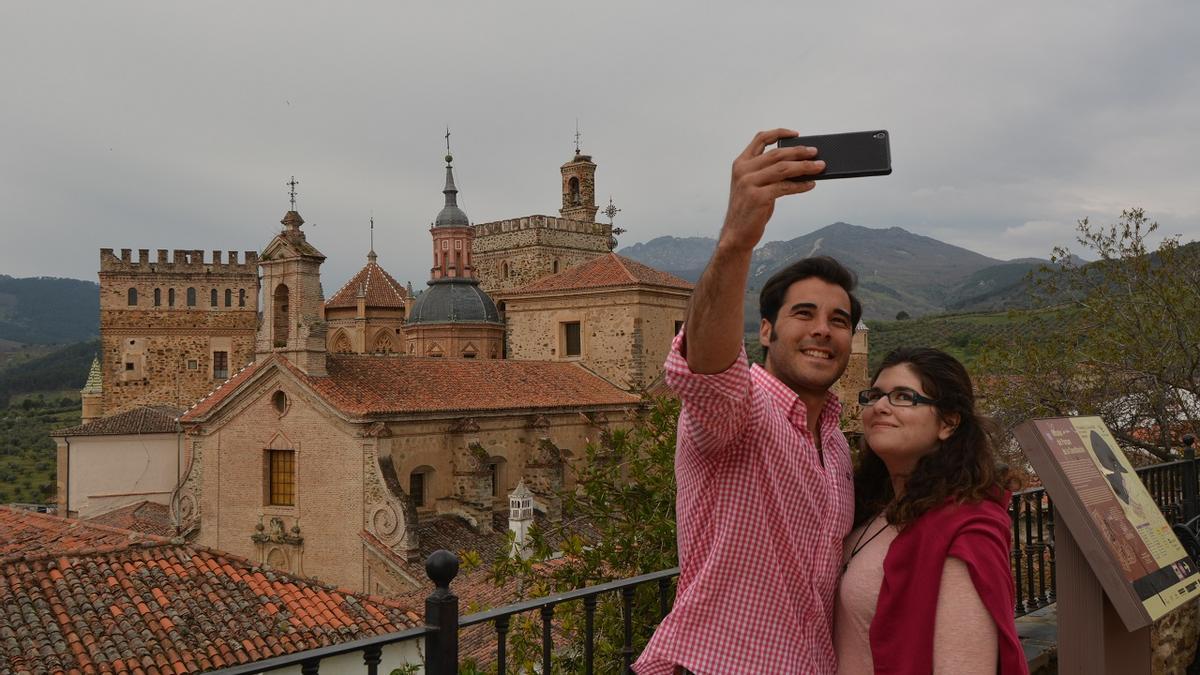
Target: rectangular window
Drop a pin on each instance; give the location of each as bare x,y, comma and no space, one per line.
281,478
416,488
571,339
128,366
494,476
220,365
170,297
193,364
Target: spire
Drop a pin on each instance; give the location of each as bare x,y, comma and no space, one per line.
95,381
450,215
371,257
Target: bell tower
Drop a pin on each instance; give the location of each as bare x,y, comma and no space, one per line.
579,187
293,323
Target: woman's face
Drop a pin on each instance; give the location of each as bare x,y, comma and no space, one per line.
901,435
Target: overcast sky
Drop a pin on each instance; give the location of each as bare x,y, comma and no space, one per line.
173,125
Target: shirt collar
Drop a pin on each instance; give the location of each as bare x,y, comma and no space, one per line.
786,399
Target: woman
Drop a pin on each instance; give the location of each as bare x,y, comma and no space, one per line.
927,585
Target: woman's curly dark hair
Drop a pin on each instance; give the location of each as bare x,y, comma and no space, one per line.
963,467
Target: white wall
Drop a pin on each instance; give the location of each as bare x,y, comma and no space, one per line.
394,656
108,472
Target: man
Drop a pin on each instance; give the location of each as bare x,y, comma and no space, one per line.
763,470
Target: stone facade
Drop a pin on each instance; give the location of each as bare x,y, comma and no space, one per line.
354,476
166,326
514,252
457,340
1173,640
856,378
625,333
579,188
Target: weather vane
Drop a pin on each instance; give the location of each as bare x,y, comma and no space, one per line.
611,211
577,135
448,156
292,184
372,230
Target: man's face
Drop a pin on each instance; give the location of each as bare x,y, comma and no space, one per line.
809,344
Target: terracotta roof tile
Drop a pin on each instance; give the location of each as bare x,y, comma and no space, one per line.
602,272
89,598
145,516
381,289
140,420
368,385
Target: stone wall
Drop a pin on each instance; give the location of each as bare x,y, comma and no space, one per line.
1173,640
456,340
625,333
163,353
514,252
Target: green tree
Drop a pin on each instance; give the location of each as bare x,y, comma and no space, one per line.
902,315
1117,338
618,522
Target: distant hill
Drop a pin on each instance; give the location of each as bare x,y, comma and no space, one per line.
62,369
47,310
897,270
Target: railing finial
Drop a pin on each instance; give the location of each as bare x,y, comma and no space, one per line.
442,567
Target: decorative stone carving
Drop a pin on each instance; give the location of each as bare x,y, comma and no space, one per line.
463,425
376,430
277,534
390,513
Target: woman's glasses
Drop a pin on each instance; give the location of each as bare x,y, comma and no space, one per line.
904,398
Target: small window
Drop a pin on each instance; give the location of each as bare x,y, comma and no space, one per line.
212,297
494,478
281,477
241,297
128,366
220,365
191,297
229,297
132,297
571,339
678,327
193,364
158,297
504,269
556,267
416,487
280,402
170,297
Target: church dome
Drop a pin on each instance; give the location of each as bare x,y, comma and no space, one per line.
453,300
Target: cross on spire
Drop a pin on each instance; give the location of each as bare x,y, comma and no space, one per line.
292,192
577,135
448,156
372,232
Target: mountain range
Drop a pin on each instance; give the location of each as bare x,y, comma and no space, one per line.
47,310
898,271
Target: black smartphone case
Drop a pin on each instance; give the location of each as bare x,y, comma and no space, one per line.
859,153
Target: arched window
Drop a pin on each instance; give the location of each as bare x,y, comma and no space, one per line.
504,270
132,297
229,297
341,343
191,297
556,266
212,297
573,188
158,297
170,297
280,315
241,297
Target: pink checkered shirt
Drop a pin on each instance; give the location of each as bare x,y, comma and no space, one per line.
761,524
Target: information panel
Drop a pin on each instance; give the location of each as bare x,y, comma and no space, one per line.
1130,546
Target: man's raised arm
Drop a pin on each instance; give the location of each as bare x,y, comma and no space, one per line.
716,315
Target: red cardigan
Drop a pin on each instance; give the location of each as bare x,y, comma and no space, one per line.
977,534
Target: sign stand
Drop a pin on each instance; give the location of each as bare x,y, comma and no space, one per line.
1092,639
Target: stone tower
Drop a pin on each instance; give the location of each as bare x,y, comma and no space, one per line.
293,323
579,188
855,379
454,317
171,331
513,252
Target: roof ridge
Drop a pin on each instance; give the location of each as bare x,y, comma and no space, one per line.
624,267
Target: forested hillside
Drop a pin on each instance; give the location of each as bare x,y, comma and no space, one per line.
46,310
62,369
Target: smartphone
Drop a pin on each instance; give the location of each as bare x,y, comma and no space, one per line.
859,153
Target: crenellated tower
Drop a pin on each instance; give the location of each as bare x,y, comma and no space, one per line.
172,329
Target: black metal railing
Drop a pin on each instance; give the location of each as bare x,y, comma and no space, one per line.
1173,486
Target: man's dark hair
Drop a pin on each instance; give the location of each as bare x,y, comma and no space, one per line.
822,267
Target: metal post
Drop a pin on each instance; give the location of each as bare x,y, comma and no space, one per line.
1191,508
441,614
